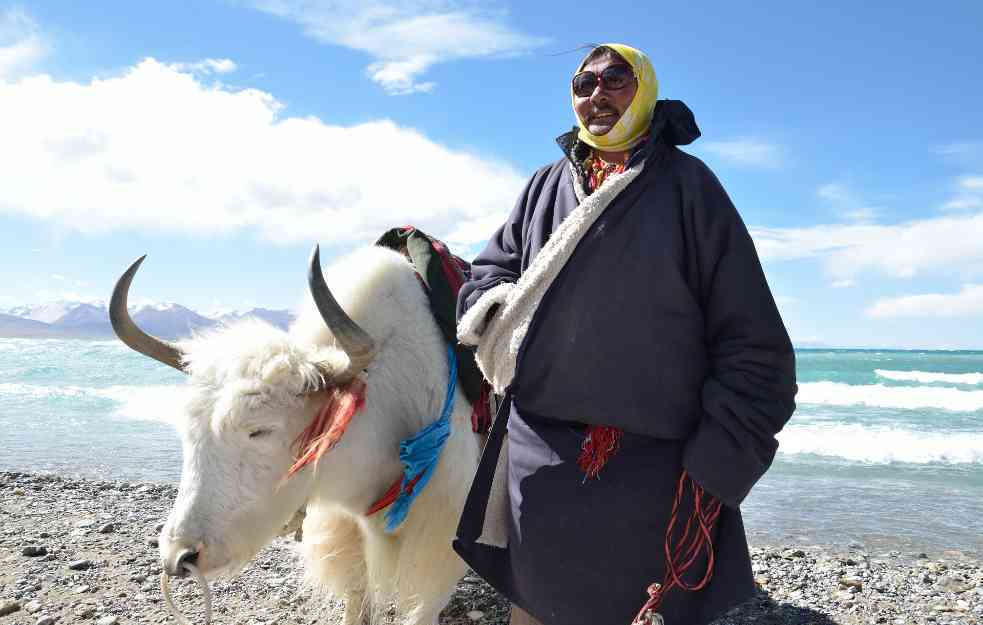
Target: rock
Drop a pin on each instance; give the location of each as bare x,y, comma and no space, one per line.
951,583
44,535
791,554
33,606
34,551
84,588
139,578
85,611
45,620
80,565
85,523
852,582
108,528
475,615
108,620
8,607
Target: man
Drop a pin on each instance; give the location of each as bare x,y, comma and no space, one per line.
623,314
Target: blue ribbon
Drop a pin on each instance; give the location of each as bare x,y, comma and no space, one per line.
420,452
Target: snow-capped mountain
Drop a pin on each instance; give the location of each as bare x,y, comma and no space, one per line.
83,319
278,318
51,312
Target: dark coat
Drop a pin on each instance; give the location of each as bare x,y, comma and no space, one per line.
662,324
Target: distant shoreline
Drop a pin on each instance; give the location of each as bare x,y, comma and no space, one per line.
77,549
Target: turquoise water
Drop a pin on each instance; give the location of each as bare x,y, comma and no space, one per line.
885,448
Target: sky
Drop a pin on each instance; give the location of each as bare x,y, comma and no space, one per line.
224,138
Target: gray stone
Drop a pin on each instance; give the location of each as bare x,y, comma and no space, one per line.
108,620
80,565
34,551
108,528
951,583
33,606
45,620
8,607
85,611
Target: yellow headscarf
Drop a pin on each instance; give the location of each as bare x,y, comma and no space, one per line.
637,118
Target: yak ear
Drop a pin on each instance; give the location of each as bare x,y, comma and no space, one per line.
325,373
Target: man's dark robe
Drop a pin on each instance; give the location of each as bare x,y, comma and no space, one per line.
662,324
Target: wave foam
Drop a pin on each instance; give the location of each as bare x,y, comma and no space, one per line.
928,377
881,396
148,402
882,445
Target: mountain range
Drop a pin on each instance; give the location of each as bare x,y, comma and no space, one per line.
91,320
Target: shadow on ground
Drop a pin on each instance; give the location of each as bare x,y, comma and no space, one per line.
763,610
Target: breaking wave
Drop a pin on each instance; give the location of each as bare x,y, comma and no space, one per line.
147,402
882,445
881,396
929,377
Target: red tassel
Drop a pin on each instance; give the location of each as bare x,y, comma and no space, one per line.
601,443
326,429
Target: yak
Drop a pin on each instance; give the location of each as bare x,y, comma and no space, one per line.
255,390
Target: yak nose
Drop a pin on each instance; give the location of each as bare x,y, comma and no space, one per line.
175,566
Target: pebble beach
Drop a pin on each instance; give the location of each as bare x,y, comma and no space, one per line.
84,551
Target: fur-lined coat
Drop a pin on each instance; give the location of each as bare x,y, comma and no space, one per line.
641,306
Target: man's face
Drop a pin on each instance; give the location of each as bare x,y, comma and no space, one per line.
602,109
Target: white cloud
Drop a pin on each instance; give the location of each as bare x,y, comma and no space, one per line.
972,183
157,149
21,44
959,148
963,203
901,250
967,302
746,152
847,203
207,66
405,39
969,195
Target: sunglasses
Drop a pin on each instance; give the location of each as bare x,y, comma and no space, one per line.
612,78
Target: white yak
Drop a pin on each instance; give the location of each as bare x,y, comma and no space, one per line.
254,389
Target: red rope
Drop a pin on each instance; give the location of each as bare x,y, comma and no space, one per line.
687,549
326,429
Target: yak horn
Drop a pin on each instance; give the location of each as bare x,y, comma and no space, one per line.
354,340
127,330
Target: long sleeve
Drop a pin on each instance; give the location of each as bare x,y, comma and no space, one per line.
749,393
501,260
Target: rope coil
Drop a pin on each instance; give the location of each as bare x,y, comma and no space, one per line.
206,593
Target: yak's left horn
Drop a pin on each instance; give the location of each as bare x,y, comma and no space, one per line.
127,330
356,342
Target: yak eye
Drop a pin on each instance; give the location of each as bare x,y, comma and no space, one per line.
260,432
